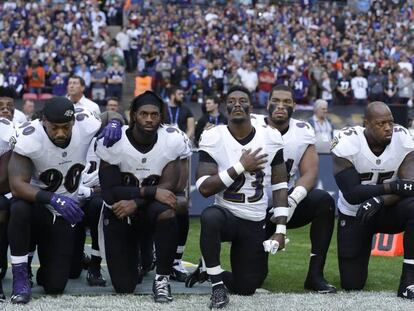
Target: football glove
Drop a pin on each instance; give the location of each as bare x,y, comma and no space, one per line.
111,133
89,180
67,207
368,209
402,187
84,192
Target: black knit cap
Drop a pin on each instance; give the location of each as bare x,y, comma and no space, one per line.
147,98
59,110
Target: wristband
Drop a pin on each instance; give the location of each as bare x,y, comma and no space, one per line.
225,178
281,185
298,194
281,229
200,181
43,196
280,211
149,192
239,168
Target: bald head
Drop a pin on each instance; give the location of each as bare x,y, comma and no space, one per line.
379,123
377,110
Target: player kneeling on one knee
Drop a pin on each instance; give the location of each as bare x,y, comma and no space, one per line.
234,160
374,170
138,175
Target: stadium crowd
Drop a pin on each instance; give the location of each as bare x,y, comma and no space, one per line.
329,52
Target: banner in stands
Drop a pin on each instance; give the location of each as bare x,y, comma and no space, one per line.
326,181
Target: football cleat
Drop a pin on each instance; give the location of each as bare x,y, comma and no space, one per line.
21,285
95,278
179,273
406,292
219,298
319,285
199,275
2,296
161,290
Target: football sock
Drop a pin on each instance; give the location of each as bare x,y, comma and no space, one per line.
165,244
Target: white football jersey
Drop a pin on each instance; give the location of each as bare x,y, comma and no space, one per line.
143,169
7,133
295,142
57,169
246,197
351,144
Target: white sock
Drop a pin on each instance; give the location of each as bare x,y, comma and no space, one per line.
19,259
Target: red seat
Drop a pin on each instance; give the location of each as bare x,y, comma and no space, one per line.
29,96
45,96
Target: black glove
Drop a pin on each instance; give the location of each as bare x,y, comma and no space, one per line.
402,187
368,209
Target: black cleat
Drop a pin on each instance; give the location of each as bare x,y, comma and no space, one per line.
179,273
197,276
95,278
2,296
219,298
319,285
21,287
406,292
161,290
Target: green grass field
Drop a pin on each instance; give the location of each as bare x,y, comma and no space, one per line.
287,270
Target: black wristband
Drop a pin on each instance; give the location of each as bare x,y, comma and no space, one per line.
43,196
149,192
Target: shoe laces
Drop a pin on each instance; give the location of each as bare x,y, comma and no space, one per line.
161,286
219,294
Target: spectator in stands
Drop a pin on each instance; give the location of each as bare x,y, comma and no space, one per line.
300,86
178,114
343,88
326,88
359,86
376,83
98,80
14,79
405,87
322,125
112,104
249,79
28,109
266,81
76,88
390,92
85,74
58,80
123,42
212,116
115,74
35,75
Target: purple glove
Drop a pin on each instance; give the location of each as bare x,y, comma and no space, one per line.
111,133
68,208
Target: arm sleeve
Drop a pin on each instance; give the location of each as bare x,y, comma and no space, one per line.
111,186
349,183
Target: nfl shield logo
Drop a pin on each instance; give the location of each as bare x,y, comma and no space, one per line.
378,162
64,154
144,160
